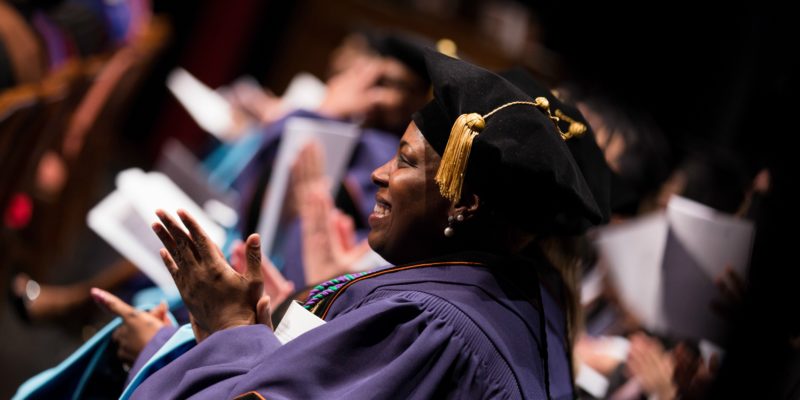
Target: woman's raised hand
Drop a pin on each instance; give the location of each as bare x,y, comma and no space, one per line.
215,294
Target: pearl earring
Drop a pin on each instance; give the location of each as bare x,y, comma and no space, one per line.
449,231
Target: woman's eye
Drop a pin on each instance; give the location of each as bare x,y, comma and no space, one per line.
401,160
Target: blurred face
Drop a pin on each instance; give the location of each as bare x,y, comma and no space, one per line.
612,143
401,92
353,48
410,214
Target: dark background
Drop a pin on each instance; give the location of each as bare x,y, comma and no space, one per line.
719,77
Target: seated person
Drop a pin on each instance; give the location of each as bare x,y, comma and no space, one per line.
474,307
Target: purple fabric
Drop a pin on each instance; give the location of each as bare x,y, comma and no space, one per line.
152,347
454,331
55,40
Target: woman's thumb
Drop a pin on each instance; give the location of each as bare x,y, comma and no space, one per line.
262,311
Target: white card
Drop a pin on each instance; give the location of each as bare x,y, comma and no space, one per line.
296,321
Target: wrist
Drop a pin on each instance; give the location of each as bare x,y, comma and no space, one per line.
234,323
666,393
331,110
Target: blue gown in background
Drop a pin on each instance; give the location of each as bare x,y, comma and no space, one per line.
467,326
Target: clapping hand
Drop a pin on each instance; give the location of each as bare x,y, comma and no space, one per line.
217,296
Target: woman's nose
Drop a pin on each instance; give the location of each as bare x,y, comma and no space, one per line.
381,174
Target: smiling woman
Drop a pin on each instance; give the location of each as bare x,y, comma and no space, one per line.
410,214
472,309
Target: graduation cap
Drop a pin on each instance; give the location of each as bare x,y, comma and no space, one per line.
404,47
506,145
581,143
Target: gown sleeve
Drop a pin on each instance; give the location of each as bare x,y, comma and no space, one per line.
150,349
396,345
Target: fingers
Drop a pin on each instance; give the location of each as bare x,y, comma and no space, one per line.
285,291
732,290
113,303
181,246
315,215
302,162
367,75
124,353
219,251
238,257
262,311
355,254
164,236
344,230
309,164
737,283
315,160
205,247
253,255
275,284
172,267
713,363
160,312
380,97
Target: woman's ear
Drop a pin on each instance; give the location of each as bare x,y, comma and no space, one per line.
468,206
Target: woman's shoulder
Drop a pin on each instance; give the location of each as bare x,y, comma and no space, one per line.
432,312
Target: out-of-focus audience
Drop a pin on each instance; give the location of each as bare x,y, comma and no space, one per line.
68,71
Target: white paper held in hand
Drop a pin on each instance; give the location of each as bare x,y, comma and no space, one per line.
664,266
124,218
337,139
633,252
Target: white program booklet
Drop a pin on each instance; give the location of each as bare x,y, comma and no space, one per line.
632,252
295,322
713,239
337,139
664,265
209,109
123,219
700,244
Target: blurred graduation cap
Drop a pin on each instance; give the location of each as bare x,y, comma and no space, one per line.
404,47
507,146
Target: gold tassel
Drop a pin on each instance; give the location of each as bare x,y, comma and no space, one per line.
450,175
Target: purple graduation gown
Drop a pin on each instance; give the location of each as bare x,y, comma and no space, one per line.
465,328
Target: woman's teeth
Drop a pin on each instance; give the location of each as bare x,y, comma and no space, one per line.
380,210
